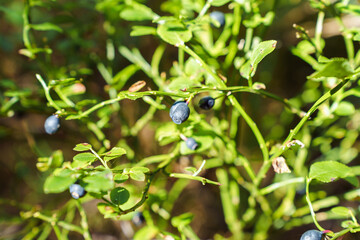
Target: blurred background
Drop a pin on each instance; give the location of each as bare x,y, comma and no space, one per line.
87,29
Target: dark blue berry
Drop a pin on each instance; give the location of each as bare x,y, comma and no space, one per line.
206,103
138,219
52,124
191,143
219,17
179,112
311,235
77,191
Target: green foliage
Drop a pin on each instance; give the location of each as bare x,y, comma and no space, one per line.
111,74
328,171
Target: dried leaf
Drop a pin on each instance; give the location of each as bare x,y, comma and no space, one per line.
280,165
137,86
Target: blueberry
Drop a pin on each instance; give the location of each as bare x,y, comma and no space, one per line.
218,17
138,219
312,235
179,112
206,103
191,143
52,124
77,191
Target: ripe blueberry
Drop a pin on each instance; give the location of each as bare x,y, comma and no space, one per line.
77,191
179,112
206,103
311,235
219,17
52,124
138,219
191,143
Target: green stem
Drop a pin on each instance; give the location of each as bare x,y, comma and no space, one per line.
310,205
53,221
250,82
248,38
190,233
233,46
96,130
125,95
234,102
274,186
57,231
64,97
347,38
196,178
318,31
266,165
339,234
26,28
97,106
47,92
181,58
140,123
144,194
4,108
204,9
101,160
83,221
353,218
200,168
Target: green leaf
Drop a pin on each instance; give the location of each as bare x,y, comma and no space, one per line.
204,142
142,31
137,12
119,195
357,37
174,33
181,83
108,210
195,178
141,169
46,27
328,171
341,211
260,51
336,67
115,152
54,161
218,3
63,82
146,233
345,109
57,184
120,178
99,181
137,175
18,93
193,69
190,169
31,53
167,133
348,224
82,147
85,157
182,220
62,172
353,180
352,9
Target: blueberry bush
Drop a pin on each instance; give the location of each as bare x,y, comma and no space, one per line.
193,119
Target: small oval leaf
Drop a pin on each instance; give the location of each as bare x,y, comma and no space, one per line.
82,147
119,195
329,171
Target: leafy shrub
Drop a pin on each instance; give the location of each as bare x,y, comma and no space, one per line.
113,81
